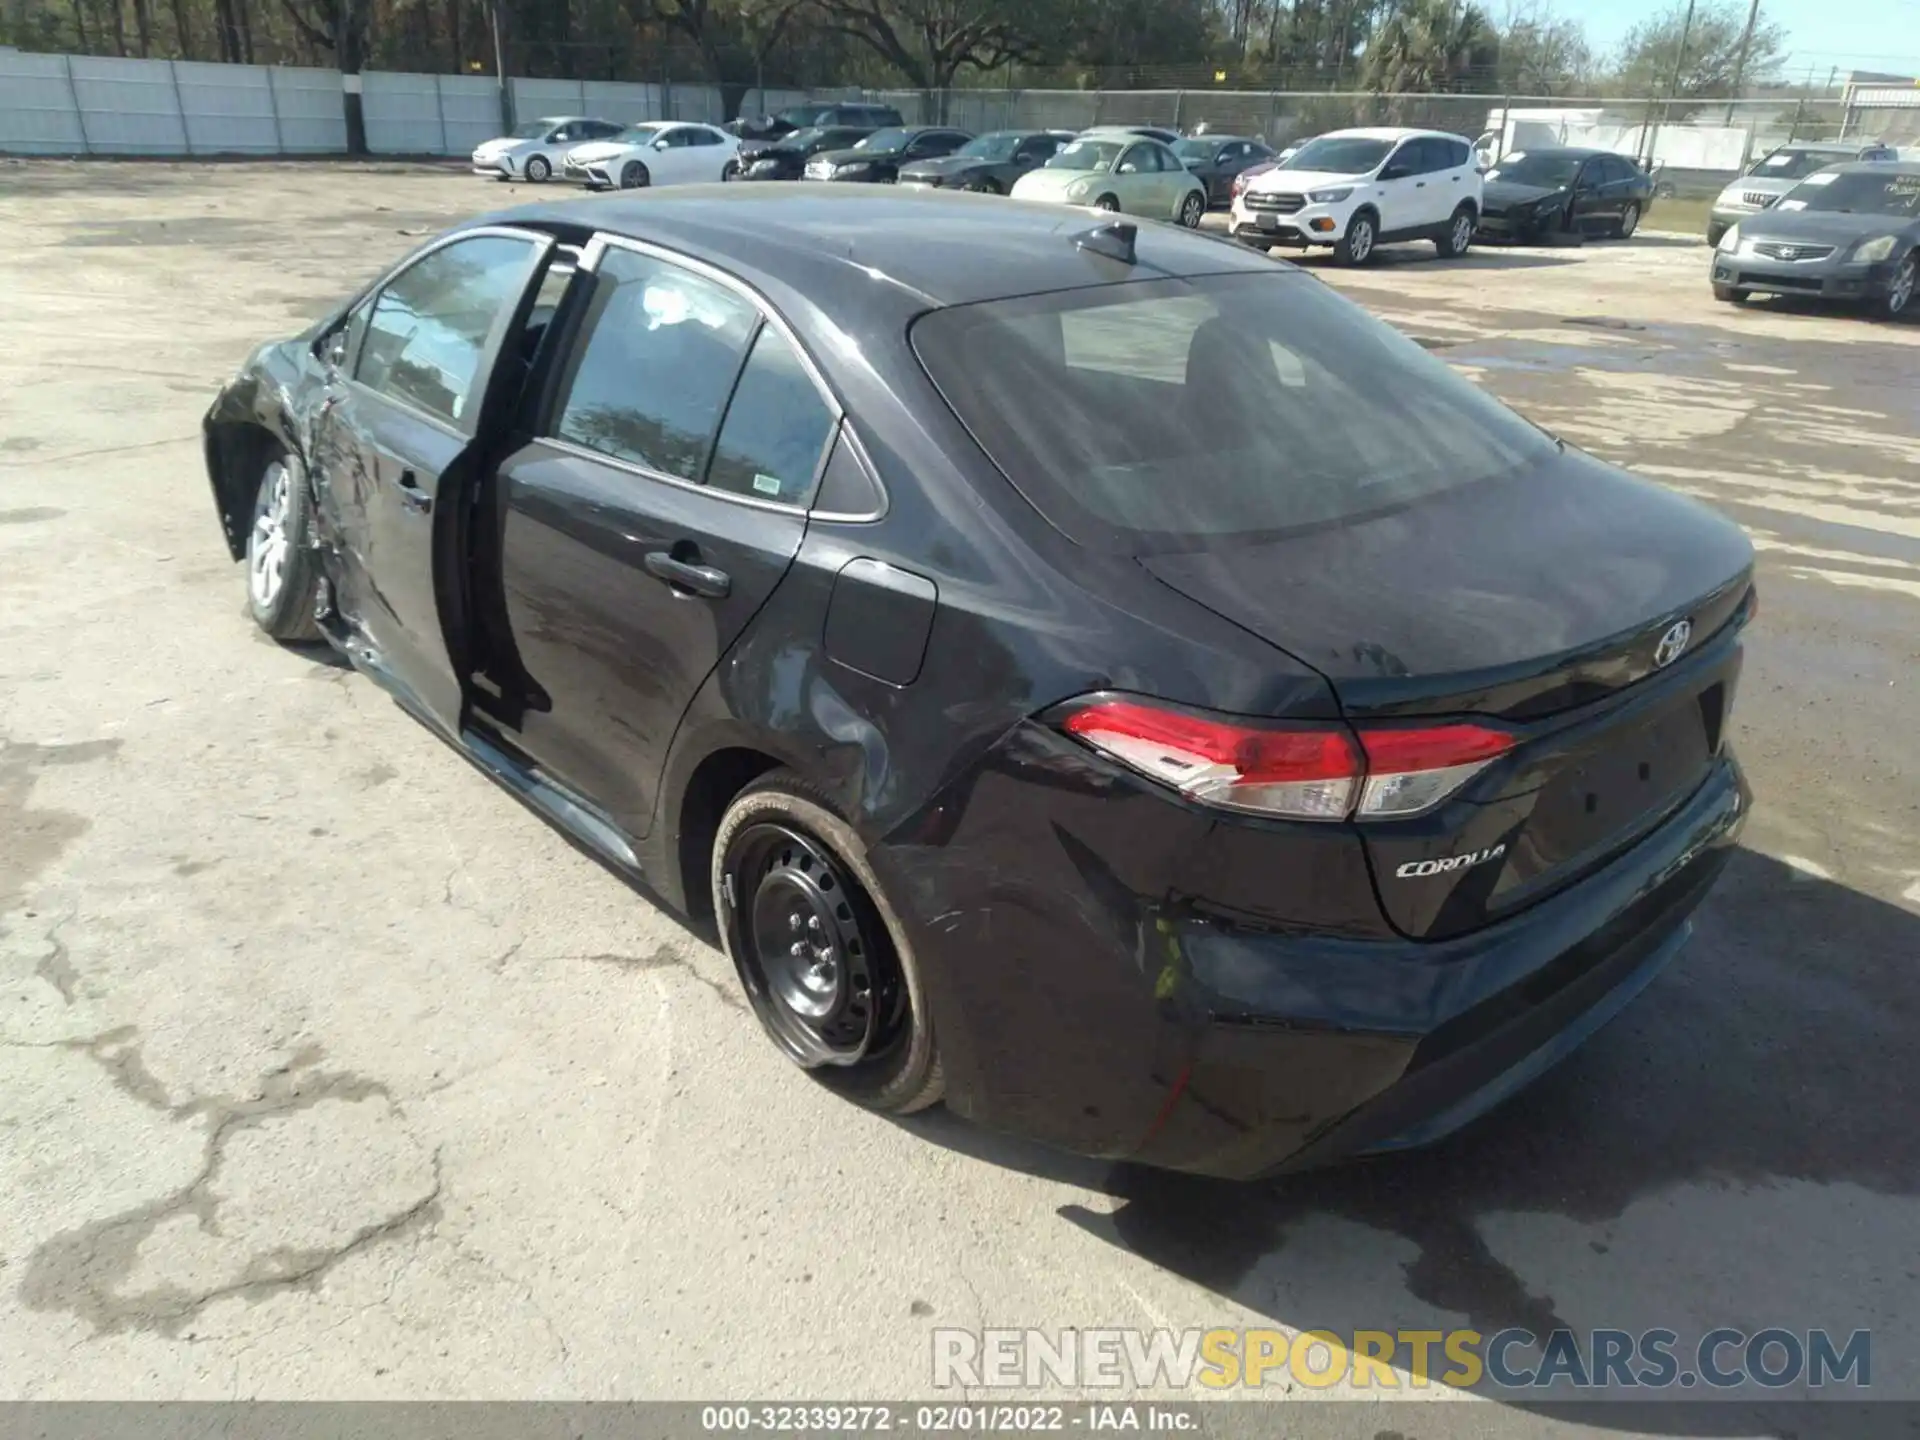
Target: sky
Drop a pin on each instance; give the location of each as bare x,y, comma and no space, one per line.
1853,34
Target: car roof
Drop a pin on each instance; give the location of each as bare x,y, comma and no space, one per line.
1585,152
826,246
1390,132
1878,167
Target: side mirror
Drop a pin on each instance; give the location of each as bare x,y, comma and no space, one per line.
661,143
333,354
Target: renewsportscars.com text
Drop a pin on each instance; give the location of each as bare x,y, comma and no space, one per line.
1513,1359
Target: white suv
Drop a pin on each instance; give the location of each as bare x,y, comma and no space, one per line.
1357,189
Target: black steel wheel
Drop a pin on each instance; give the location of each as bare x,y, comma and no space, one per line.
822,960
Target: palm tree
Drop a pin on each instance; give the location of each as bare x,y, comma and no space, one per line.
1427,47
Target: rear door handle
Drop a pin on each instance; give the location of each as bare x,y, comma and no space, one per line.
682,575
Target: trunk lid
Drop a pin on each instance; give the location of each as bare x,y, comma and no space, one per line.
1548,600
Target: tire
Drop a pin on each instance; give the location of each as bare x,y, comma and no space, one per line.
539,170
860,1021
730,170
1898,301
1714,232
283,570
1629,221
1192,209
1107,203
634,175
988,186
1458,238
1356,247
1730,294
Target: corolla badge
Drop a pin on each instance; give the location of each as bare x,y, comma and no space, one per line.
1416,869
1672,644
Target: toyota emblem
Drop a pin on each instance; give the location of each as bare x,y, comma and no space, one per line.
1672,644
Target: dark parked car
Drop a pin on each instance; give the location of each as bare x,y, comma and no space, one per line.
877,159
1850,233
816,113
787,158
988,163
1086,670
1217,160
1534,194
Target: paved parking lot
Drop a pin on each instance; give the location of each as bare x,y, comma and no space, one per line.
328,1070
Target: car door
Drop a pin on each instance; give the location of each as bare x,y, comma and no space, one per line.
395,429
1136,179
1591,202
651,508
1397,191
707,154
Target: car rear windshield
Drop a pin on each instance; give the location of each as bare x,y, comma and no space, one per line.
1173,414
1792,164
1339,155
1857,192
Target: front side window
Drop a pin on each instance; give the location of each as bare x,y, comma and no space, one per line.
890,139
775,429
661,348
1137,161
1155,415
428,330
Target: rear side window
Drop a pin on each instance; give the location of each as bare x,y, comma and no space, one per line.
1181,413
776,427
428,329
661,350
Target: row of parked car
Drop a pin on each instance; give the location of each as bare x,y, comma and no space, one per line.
1350,191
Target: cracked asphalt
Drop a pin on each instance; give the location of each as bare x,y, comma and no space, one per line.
328,1071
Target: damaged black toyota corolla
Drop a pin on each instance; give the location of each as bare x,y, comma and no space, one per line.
1101,677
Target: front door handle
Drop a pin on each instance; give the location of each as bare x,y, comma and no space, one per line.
684,576
411,495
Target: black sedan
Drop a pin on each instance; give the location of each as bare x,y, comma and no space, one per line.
1084,670
1216,160
786,159
877,159
988,163
1532,195
1849,233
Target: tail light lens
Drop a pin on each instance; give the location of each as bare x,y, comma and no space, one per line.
1297,771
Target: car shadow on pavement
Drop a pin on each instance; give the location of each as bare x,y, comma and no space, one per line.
1772,1061
1480,257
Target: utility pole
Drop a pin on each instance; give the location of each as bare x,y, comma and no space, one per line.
1740,63
1673,90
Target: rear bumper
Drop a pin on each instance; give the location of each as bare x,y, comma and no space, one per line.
1085,1010
1828,279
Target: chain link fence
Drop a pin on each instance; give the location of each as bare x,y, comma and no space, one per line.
58,104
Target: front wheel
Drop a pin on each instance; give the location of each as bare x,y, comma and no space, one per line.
538,170
1192,208
823,958
730,171
1459,236
282,569
1731,295
634,176
1356,246
1898,300
1629,222
1714,232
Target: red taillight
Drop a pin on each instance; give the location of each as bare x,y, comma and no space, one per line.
1304,772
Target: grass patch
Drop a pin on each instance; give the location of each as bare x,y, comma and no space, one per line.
1681,217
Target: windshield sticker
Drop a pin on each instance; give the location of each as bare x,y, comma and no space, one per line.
766,484
1904,185
1777,160
1791,205
1822,177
